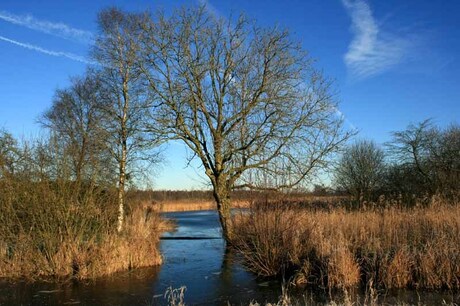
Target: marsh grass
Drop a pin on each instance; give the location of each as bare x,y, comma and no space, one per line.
64,230
345,297
175,296
391,247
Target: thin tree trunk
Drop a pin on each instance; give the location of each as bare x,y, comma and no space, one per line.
122,177
81,157
124,154
121,193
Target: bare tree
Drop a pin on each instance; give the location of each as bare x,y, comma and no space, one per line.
9,154
411,147
75,119
242,98
444,159
125,100
430,155
361,170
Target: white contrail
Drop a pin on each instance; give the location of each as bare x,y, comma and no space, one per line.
68,55
57,29
342,116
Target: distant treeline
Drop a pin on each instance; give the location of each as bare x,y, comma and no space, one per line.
236,195
421,161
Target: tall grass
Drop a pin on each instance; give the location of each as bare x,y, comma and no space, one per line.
65,230
389,247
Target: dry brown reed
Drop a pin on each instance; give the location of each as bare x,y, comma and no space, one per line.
391,247
60,230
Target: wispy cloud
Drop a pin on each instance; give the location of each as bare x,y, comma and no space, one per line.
371,50
57,29
68,55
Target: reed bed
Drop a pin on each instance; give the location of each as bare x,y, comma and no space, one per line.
391,247
64,231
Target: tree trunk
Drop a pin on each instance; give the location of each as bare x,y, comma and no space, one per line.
222,196
80,162
124,155
121,192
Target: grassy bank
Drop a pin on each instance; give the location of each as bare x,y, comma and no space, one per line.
388,247
63,230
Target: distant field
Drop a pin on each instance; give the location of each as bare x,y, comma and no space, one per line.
179,200
191,205
170,201
181,205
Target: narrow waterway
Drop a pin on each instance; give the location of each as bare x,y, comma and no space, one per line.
194,257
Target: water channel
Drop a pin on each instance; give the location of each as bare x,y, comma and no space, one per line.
195,257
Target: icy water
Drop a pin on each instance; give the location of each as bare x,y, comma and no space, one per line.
195,257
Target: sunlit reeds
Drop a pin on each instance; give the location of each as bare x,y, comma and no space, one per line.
61,230
391,247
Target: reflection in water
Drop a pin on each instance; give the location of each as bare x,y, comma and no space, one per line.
120,289
206,267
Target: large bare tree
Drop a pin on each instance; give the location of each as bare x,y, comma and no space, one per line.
242,98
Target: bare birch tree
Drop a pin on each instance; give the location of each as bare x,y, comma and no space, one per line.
125,101
242,98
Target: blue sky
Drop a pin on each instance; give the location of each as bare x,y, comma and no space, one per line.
394,62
